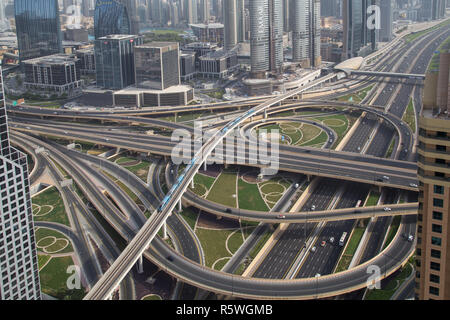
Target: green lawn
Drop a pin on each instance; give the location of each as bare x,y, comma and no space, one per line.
409,116
374,196
189,216
386,292
202,184
50,197
213,244
250,197
321,139
223,190
152,297
53,278
350,250
42,233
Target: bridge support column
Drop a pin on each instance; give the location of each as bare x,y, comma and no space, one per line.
379,189
192,184
308,176
205,166
176,115
265,114
140,265
165,230
180,207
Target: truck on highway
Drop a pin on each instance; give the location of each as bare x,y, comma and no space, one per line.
342,240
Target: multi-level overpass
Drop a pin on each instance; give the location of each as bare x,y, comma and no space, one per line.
258,288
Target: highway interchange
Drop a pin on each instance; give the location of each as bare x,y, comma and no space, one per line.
329,194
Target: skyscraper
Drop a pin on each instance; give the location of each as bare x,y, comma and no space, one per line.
386,15
19,270
433,243
306,32
111,17
4,23
230,24
359,40
157,65
38,28
114,60
266,36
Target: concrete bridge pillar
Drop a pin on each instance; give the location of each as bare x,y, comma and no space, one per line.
180,207
265,114
176,116
204,166
165,230
140,265
308,176
192,184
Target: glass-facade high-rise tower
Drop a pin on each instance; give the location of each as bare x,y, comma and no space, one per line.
266,36
38,28
157,65
111,17
19,270
114,60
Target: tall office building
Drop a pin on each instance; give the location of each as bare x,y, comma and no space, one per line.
266,37
204,11
19,270
329,8
4,23
433,243
190,11
38,28
114,60
157,65
230,24
111,17
386,17
359,40
306,32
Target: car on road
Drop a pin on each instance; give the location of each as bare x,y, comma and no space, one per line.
387,209
228,210
313,207
317,275
332,240
170,258
413,185
313,249
410,238
322,244
296,186
280,216
385,177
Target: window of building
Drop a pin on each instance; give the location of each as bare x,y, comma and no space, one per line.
436,241
440,148
436,228
437,215
435,253
438,203
439,189
434,278
435,266
434,290
441,134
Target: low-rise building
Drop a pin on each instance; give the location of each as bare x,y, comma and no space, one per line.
218,64
58,72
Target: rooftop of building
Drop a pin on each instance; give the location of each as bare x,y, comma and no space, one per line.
159,44
219,54
172,89
201,45
118,37
55,59
209,25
